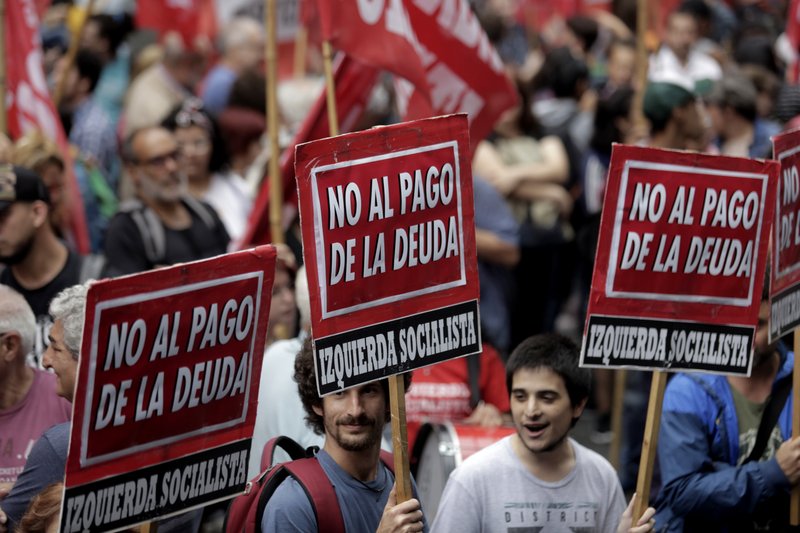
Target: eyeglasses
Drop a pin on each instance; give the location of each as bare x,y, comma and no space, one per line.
161,161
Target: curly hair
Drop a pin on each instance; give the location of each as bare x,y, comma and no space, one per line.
306,378
43,509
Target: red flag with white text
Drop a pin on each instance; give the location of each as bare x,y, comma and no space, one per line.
29,106
464,72
380,34
353,82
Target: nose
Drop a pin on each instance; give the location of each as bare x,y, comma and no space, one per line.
532,407
46,362
354,406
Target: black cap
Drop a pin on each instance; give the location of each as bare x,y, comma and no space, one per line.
20,184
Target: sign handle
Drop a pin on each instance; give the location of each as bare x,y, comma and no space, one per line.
649,443
794,505
149,527
74,44
617,402
402,474
330,90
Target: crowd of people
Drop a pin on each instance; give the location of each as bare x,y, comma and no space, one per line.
168,147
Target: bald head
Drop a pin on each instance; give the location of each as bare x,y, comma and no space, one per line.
16,317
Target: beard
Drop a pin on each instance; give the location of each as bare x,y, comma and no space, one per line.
356,443
20,254
160,193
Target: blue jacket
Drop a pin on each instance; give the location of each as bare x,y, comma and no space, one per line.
698,447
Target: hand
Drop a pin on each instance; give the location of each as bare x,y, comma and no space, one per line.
788,457
643,525
5,488
485,415
403,517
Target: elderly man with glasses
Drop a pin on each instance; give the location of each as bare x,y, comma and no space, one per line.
164,225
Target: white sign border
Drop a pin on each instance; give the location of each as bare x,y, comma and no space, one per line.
687,298
319,240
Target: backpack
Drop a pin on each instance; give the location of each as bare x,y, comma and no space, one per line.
152,230
246,511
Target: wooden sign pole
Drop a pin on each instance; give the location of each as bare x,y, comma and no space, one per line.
397,388
300,51
330,91
640,79
649,443
273,125
794,505
74,44
397,399
617,403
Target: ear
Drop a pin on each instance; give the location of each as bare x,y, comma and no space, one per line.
577,411
318,409
40,213
11,344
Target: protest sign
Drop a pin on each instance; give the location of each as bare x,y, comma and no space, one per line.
388,222
784,291
680,261
167,390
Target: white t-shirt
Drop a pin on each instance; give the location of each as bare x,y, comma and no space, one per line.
493,492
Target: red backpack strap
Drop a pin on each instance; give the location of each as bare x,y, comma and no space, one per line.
321,494
291,447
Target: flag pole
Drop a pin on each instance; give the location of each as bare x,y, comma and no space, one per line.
273,125
300,51
330,89
74,44
640,77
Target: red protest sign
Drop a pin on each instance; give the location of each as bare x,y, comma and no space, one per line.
167,390
388,222
785,272
680,261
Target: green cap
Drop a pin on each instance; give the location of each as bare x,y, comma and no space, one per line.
661,98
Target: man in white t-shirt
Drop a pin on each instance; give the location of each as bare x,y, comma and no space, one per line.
678,58
539,478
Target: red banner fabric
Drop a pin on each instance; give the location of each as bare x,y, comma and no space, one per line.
190,18
793,34
462,68
28,102
378,33
354,82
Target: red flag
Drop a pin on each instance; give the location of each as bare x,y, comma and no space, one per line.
793,35
353,82
190,18
378,33
29,106
463,70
